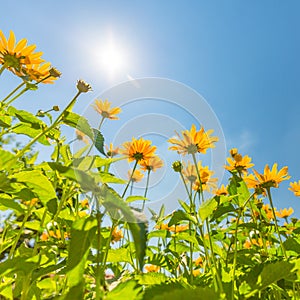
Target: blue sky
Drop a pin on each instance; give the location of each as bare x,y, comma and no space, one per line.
242,57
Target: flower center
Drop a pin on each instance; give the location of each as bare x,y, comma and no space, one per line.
138,156
105,114
192,149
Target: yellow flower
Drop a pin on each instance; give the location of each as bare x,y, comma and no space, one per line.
104,109
152,268
136,176
295,188
221,191
207,183
32,202
270,178
189,172
151,164
193,141
111,151
85,203
237,162
116,235
284,213
162,226
82,214
138,149
178,228
80,136
15,57
196,272
199,262
38,72
44,236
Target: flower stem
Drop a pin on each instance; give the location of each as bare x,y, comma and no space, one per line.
55,123
2,69
126,188
146,189
275,222
11,93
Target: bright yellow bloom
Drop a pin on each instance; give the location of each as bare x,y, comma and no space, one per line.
85,203
178,228
116,235
38,72
196,272
44,237
237,162
138,150
207,183
152,268
137,175
193,141
16,57
189,171
82,214
104,109
221,191
199,262
284,213
80,136
162,226
295,188
151,164
111,151
32,202
270,178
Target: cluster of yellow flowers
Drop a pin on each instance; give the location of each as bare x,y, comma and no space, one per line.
23,61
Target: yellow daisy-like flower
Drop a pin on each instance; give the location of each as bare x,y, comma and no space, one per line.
207,183
15,57
80,136
178,228
193,141
199,262
284,213
295,188
221,191
85,203
196,272
104,109
117,235
41,73
189,171
237,162
136,176
111,151
151,164
270,178
138,150
162,226
152,268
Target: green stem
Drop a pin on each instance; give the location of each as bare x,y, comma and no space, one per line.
20,231
275,222
126,188
146,189
11,93
55,123
2,69
235,243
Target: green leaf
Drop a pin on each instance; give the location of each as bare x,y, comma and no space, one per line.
191,294
130,199
86,181
76,121
238,187
119,255
26,117
207,208
178,216
38,183
136,221
105,177
151,278
6,202
32,132
5,121
99,141
125,291
184,206
6,159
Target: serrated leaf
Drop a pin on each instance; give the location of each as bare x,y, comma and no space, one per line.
99,141
38,183
178,216
76,121
207,208
119,255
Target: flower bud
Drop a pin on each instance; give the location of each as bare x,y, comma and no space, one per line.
83,87
177,166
